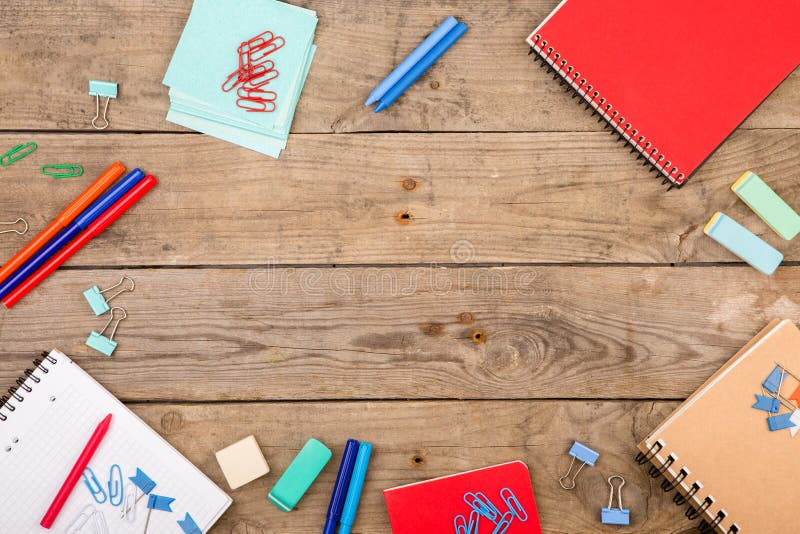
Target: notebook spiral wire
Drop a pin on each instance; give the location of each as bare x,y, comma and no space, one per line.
572,82
674,483
24,385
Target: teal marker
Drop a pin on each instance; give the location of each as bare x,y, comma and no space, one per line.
354,490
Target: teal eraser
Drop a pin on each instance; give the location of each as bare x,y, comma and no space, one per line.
96,300
101,88
766,203
743,243
101,343
301,473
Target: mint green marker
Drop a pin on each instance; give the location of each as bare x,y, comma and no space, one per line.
301,473
766,203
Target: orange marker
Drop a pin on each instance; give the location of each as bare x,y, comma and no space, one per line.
64,218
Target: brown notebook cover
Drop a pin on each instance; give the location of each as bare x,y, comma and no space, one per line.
718,448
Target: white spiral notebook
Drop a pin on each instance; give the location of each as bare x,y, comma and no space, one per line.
45,425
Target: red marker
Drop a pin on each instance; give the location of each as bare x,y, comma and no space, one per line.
75,475
94,229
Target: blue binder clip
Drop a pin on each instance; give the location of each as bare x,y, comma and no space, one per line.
98,302
98,88
101,343
615,516
583,454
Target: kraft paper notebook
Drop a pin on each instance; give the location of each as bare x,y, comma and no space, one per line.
731,451
43,429
673,79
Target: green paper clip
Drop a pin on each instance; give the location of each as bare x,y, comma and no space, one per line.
101,343
54,170
17,153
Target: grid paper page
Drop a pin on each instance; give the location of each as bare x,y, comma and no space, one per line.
45,434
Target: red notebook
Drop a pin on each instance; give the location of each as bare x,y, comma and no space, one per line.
673,78
493,499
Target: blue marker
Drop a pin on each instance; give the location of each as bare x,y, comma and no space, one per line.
340,486
87,217
420,68
412,59
354,491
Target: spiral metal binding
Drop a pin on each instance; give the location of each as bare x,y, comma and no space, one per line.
693,513
706,527
24,383
669,485
643,458
680,500
615,122
656,472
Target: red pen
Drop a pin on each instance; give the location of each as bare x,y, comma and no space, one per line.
75,475
94,229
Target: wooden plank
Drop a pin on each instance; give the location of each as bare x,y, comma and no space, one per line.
489,198
397,333
420,440
485,83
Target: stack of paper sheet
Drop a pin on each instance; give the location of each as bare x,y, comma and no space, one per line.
207,54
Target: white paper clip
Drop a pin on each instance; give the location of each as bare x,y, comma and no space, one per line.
129,503
101,343
14,230
99,303
89,513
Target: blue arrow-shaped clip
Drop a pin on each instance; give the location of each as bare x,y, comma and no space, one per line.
159,502
768,404
189,526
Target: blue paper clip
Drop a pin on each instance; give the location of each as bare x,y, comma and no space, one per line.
115,490
97,89
94,486
99,303
481,504
464,526
101,343
504,524
582,453
615,516
513,504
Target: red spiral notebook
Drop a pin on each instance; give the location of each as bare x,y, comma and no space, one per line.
675,78
493,499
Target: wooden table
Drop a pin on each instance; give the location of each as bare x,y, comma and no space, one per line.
338,291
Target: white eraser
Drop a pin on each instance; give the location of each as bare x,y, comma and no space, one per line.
242,462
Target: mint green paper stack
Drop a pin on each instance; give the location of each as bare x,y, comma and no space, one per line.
207,54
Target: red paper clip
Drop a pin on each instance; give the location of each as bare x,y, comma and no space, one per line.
259,47
261,75
256,105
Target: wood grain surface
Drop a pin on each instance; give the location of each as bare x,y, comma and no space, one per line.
487,82
479,274
375,333
340,199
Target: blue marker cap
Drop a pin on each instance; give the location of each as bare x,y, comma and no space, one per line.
354,491
340,486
